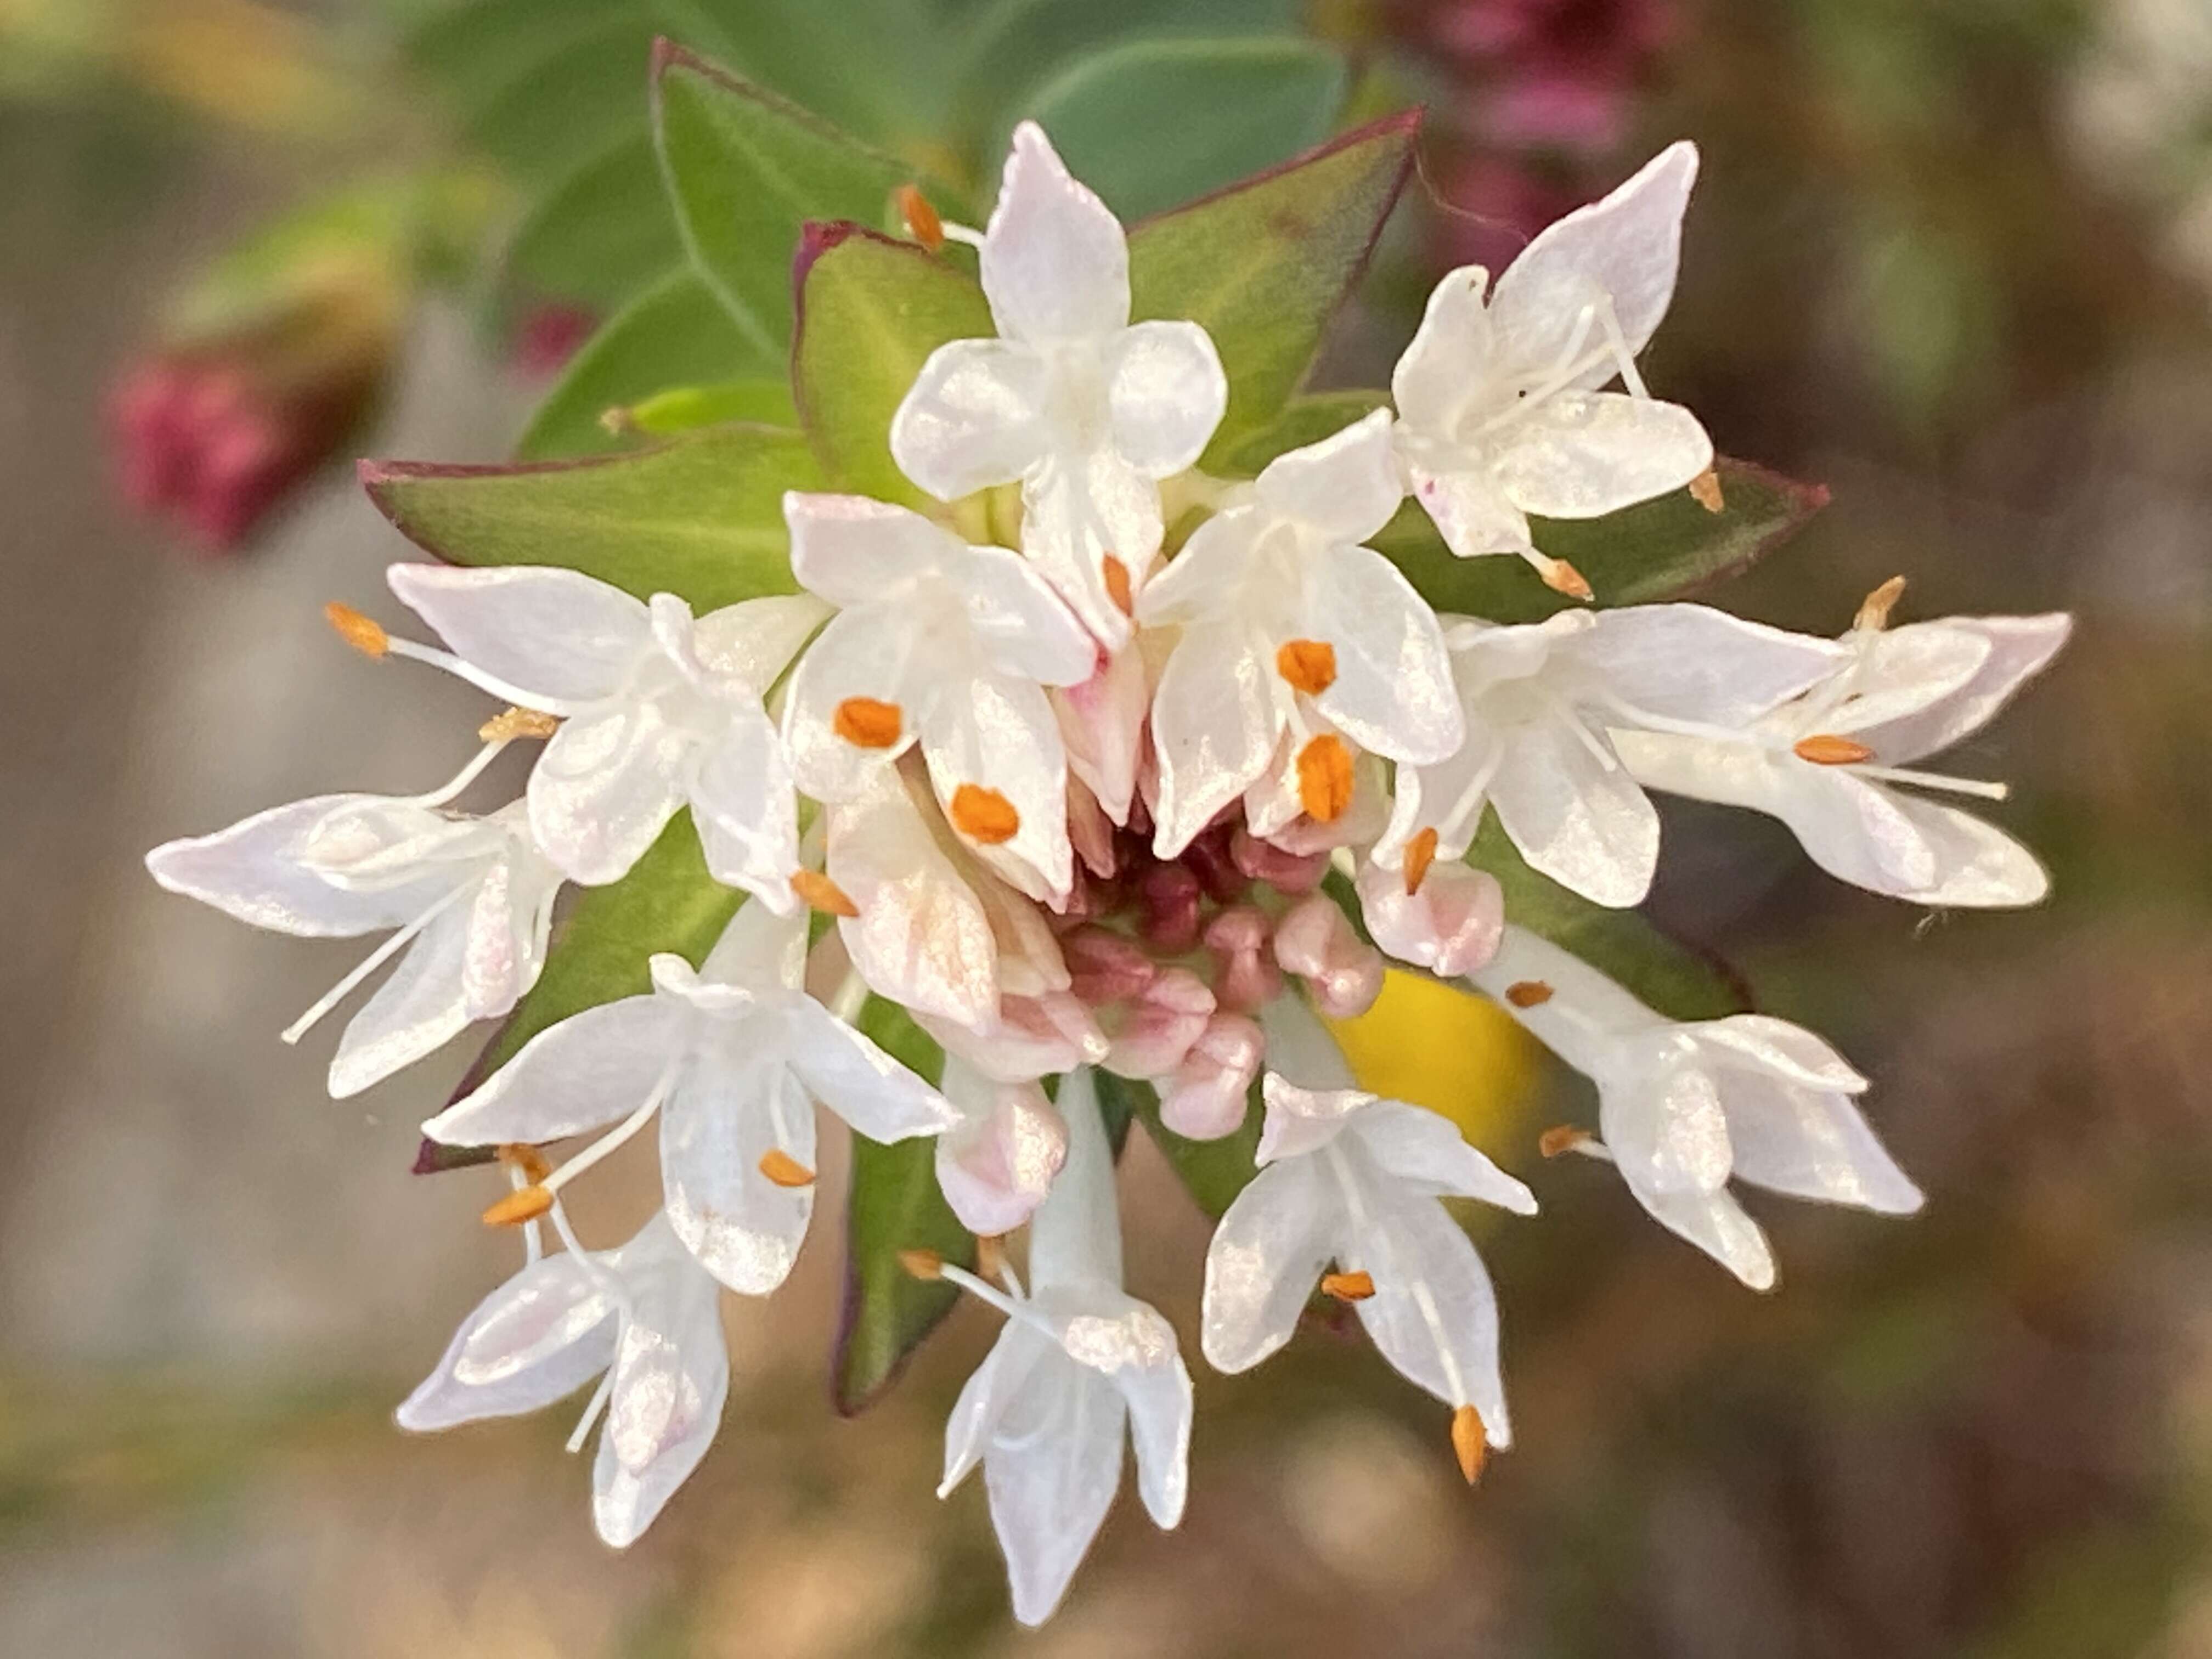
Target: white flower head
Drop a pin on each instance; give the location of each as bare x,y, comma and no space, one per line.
1087,411
943,645
1539,701
1350,1178
1685,1107
730,1058
1499,399
1292,632
1825,763
647,1315
469,900
660,710
1079,1361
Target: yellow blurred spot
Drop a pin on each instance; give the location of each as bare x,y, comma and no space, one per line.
1444,1049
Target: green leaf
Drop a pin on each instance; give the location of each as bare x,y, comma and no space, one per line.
1661,550
600,235
1233,108
601,951
687,408
1264,266
895,1204
672,334
1681,982
1303,420
477,49
877,68
1214,1171
871,310
700,516
565,107
746,171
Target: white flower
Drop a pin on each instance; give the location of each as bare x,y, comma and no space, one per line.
1292,633
1683,1106
647,1315
943,645
1500,411
727,1058
1539,701
471,901
658,711
1345,1176
1087,411
997,1163
1078,1361
1822,763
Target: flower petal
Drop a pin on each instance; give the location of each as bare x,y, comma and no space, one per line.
1213,729
1587,825
1346,486
1815,1144
1300,1120
747,815
1661,1119
420,1006
875,1094
1206,579
1020,625
1077,511
991,1387
670,1377
1692,662
1101,726
559,634
509,920
849,549
1763,1044
974,418
605,787
1393,694
1715,1223
537,1339
997,1164
1421,1152
1266,1255
729,1110
1433,1314
762,949
1977,864
921,937
1451,366
1051,1468
744,648
589,1069
2019,647
868,652
1585,454
252,871
1165,394
1469,509
1055,265
1450,925
999,733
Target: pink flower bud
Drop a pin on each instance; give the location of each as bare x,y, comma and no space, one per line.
1160,1026
1244,978
1104,967
1169,894
1204,1098
1286,872
1319,944
1210,858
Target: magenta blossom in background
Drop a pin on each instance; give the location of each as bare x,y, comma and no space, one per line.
1550,73
549,335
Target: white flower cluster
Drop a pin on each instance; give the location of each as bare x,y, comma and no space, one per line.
1072,806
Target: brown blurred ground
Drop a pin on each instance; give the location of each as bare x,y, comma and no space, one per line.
1985,1432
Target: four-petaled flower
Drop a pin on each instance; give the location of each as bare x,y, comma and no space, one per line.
1292,633
1501,413
1086,409
728,1058
647,1315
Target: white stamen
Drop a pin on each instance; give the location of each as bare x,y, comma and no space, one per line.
476,677
615,1138
967,235
599,1403
1624,360
375,959
1395,1271
467,776
1975,787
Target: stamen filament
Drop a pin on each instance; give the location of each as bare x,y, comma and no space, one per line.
467,776
1977,787
597,1404
615,1138
460,669
392,947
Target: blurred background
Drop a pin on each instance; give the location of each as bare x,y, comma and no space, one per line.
1951,258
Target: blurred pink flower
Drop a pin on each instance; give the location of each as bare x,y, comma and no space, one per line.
549,335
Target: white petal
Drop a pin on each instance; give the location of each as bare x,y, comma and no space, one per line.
562,634
1470,510
921,937
719,1122
1208,578
1447,797
1165,394
605,787
1661,1119
1424,1152
1135,1348
1977,864
1692,662
997,1164
1625,247
747,815
1299,1120
1213,729
1054,265
374,843
1078,510
744,647
422,1007
1393,694
1034,1037
1815,1144
1585,454
1717,1224
1051,1468
589,1069
975,418
252,871
1433,1314
876,1095
762,949
1450,927
2020,648
999,733
1777,1048
1075,1237
1588,826
670,1377
1266,1255
1101,726
850,550
1451,366
990,1389
508,919
535,1340
867,652
1019,623
1896,675
1346,486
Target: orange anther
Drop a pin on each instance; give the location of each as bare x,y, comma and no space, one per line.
518,723
818,892
363,634
1308,664
1421,853
1348,1287
1325,778
1875,609
1117,584
1560,1139
523,1204
922,1264
784,1170
1469,1443
1562,577
865,723
1825,749
984,815
922,220
1705,491
1528,992
533,1163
